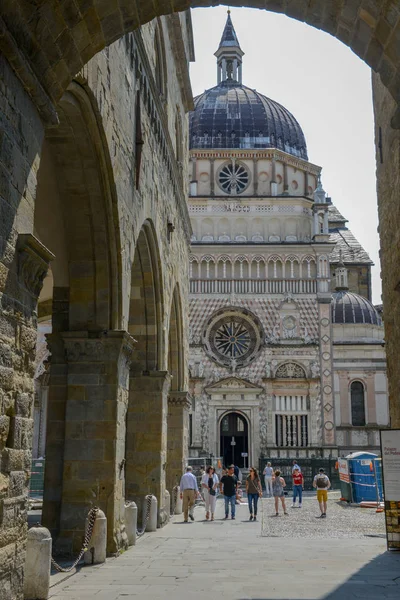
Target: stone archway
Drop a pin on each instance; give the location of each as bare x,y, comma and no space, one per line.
74,218
68,39
146,302
146,440
178,399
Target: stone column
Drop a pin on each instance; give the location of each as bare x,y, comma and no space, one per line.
177,437
56,406
94,447
23,267
146,444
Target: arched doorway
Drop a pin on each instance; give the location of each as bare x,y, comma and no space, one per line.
234,439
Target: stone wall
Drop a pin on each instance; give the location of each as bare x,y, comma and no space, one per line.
387,140
21,135
103,198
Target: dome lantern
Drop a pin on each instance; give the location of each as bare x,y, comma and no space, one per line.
229,54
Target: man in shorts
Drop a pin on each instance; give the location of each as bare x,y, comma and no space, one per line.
322,484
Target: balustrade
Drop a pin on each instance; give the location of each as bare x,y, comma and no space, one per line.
253,286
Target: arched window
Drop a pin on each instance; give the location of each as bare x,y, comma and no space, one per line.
357,404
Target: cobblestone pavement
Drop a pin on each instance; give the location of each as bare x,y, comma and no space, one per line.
231,560
343,520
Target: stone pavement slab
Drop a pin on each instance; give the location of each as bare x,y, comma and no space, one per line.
231,560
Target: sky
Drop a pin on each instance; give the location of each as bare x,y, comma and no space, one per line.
325,86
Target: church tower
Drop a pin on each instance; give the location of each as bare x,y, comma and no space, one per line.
266,241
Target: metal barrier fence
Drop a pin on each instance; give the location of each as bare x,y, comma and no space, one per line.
309,468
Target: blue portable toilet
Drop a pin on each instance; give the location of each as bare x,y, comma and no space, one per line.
362,468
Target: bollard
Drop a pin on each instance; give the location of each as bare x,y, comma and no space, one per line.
179,503
96,552
167,506
152,522
37,564
131,522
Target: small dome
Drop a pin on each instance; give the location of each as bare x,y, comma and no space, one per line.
351,308
232,115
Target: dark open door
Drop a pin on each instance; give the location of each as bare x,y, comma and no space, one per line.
234,429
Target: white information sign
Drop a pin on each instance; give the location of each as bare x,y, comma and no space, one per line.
244,454
343,470
390,441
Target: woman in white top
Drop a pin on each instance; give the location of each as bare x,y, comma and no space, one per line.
209,485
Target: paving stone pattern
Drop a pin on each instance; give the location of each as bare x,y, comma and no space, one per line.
230,560
342,521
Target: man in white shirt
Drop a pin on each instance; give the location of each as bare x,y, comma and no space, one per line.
189,491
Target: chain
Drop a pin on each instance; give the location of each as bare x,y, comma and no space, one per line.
88,535
140,532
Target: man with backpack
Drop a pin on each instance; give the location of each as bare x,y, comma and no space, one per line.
322,484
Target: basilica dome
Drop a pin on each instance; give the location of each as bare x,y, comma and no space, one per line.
231,115
348,308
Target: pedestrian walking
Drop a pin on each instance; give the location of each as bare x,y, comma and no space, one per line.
189,492
298,486
268,472
254,492
228,486
209,485
278,483
322,484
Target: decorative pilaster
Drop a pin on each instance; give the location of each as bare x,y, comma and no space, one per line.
306,183
212,176
326,362
274,185
285,180
255,175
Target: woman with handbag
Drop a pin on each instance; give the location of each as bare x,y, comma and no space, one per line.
254,492
209,485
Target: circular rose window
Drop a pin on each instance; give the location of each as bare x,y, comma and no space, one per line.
232,337
233,178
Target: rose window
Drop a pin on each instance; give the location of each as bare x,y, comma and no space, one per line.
233,178
233,337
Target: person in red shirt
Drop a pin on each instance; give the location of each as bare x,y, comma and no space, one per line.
298,484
